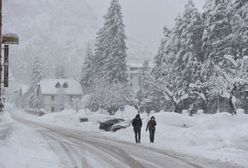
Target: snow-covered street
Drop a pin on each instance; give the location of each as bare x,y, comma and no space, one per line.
63,144
83,149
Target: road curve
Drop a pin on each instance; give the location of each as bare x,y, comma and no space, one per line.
79,149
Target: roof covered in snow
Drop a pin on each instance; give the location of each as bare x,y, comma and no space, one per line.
56,86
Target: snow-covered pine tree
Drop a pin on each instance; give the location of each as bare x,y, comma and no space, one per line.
35,79
240,27
217,43
163,51
177,31
217,32
60,72
163,80
177,64
87,70
111,48
189,55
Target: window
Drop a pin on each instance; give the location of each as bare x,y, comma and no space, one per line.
52,98
131,84
52,109
58,85
65,85
131,76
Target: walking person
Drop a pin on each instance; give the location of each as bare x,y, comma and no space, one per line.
137,124
151,126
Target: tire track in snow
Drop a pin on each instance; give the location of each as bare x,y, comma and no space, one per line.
62,148
115,157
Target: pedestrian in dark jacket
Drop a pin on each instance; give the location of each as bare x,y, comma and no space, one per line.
137,124
151,126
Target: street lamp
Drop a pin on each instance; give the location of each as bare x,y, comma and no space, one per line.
10,38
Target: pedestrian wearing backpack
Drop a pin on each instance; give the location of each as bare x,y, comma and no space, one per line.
151,126
137,124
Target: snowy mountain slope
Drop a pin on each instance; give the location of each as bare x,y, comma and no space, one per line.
57,31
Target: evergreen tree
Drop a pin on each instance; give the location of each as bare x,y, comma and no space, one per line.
217,43
217,33
111,48
163,51
87,70
164,75
240,27
204,57
189,56
176,44
177,64
35,79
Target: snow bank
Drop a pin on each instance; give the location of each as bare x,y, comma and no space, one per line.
25,147
5,125
4,130
174,119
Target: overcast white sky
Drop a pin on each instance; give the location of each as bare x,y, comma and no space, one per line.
144,19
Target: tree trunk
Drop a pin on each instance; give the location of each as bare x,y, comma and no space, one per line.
233,109
176,107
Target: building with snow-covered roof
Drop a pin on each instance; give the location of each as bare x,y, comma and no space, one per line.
54,94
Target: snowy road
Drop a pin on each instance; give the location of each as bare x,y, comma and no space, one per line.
78,149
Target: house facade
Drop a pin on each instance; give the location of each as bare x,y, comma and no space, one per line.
22,94
55,94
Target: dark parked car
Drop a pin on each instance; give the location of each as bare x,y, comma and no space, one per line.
111,125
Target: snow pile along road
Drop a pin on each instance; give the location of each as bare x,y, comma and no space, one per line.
25,148
5,125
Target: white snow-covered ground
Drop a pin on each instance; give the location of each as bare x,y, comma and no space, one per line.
24,148
220,137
